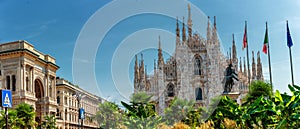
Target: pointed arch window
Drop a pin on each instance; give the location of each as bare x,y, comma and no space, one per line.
198,93
170,90
197,66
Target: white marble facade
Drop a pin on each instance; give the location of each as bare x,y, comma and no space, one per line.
195,71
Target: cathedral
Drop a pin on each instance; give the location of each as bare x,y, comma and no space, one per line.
195,71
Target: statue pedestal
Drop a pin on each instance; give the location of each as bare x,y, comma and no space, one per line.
233,95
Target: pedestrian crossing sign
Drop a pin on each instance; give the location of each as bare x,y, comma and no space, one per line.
6,98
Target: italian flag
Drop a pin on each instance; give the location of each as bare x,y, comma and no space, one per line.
266,41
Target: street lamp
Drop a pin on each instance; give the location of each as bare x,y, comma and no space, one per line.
79,96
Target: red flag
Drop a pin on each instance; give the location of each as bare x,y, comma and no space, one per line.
245,37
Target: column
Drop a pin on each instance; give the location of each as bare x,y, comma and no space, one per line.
32,88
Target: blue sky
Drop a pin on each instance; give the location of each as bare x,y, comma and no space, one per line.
53,27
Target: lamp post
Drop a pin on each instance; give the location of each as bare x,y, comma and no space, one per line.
79,96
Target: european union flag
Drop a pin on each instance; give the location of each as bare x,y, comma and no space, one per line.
289,38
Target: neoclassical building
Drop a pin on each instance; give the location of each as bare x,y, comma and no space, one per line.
67,110
195,71
31,76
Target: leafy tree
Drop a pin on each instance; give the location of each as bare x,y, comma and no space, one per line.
257,89
178,110
26,112
108,115
49,123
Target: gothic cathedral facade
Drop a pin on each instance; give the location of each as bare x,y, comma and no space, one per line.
195,71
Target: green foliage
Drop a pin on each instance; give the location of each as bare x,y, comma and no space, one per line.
262,110
14,122
178,111
140,114
140,98
108,115
257,89
20,117
49,123
193,117
277,111
26,112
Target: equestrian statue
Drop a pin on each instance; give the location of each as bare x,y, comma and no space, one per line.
230,76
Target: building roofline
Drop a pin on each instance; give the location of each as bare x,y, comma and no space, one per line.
71,86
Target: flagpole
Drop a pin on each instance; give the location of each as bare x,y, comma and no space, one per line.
269,59
248,65
290,44
291,65
248,58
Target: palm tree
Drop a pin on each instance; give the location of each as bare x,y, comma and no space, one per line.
108,115
14,122
26,112
140,112
140,98
178,110
49,123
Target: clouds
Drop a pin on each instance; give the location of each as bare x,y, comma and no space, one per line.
38,28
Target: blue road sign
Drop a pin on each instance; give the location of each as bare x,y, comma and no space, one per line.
81,113
6,99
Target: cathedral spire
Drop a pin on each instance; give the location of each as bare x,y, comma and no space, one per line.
142,74
234,56
142,67
253,67
215,35
136,70
230,59
208,33
154,64
241,69
190,24
160,61
159,44
177,28
146,75
177,34
259,68
245,69
183,31
215,22
136,65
